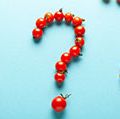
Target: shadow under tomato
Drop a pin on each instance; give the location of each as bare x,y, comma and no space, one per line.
59,85
74,60
37,40
58,115
106,1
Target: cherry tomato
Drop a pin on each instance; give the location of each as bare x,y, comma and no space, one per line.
61,66
41,23
75,51
68,17
79,30
59,104
76,21
59,77
66,57
79,41
49,17
37,33
59,16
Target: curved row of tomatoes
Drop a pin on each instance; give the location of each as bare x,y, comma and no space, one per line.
48,19
66,58
59,102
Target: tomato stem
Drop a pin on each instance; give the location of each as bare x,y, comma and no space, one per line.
80,54
63,72
77,39
66,96
60,10
73,15
66,71
62,95
83,19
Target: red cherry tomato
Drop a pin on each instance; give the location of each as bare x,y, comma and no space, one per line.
49,17
41,23
59,77
79,30
66,57
68,17
76,21
61,66
59,104
37,33
75,51
79,41
59,16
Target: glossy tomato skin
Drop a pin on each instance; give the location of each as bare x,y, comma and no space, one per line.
76,21
37,33
61,66
59,16
68,17
79,41
75,51
58,104
49,17
59,77
66,57
79,30
40,23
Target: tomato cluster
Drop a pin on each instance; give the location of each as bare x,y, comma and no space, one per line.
74,51
48,19
59,102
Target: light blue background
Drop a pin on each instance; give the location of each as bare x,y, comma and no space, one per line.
27,69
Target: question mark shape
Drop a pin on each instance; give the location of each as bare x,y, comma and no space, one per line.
59,102
74,51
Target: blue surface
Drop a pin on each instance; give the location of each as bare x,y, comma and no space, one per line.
27,69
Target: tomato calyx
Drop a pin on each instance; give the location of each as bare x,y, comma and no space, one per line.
77,39
80,54
60,10
80,18
63,72
65,96
83,19
46,15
